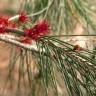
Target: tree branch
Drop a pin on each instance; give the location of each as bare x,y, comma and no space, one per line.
6,39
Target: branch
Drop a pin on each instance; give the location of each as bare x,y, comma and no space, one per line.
6,39
72,35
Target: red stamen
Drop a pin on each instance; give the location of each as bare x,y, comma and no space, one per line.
41,29
23,17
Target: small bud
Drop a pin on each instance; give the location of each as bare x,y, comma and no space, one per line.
23,17
77,47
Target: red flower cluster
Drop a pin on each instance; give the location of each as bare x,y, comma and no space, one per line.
23,17
41,29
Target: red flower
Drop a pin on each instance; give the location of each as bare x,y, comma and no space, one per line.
3,24
2,29
41,29
77,47
23,17
27,32
26,40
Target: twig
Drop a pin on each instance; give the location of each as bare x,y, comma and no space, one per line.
31,15
71,35
21,32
